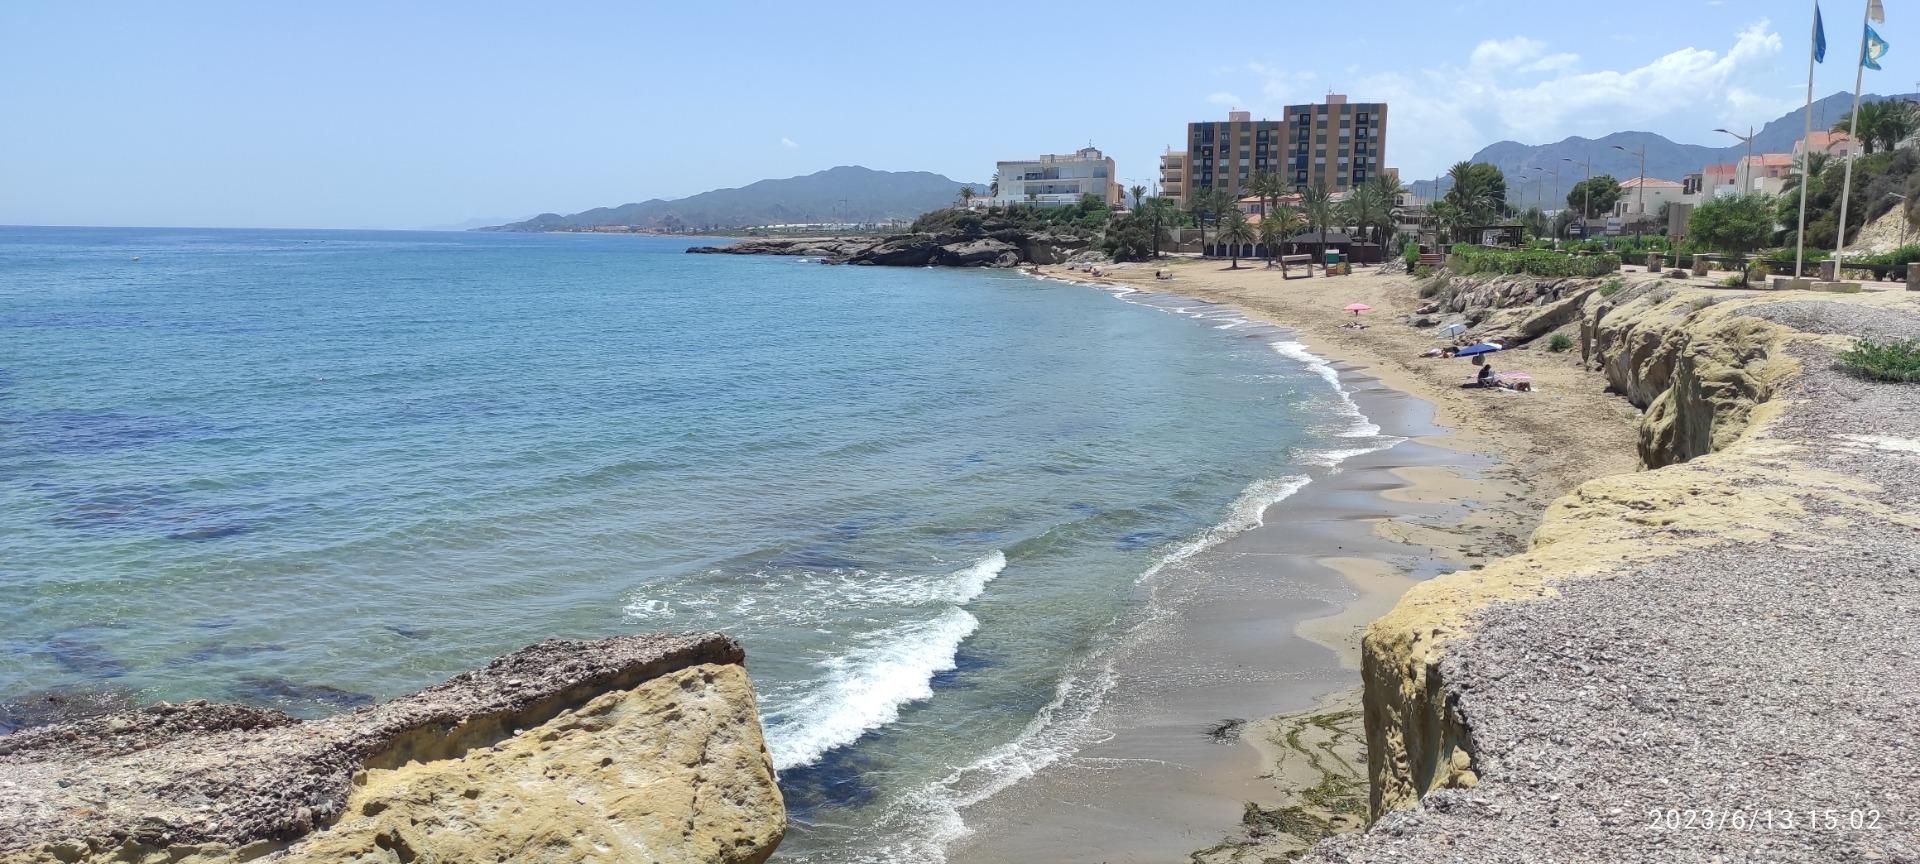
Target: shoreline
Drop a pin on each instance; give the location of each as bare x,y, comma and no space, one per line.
1267,629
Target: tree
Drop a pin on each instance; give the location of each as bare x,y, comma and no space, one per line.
1159,212
1479,190
1737,224
966,195
1366,208
1391,192
1208,203
1269,187
1139,194
1283,222
1605,193
1882,125
1446,217
1536,222
1316,204
1131,238
1234,232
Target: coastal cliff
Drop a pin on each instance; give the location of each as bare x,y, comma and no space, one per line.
643,748
1005,248
1713,623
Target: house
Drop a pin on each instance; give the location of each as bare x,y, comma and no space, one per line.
1719,181
1836,143
1644,196
1057,180
1765,173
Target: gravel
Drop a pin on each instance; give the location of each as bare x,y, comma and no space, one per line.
1689,709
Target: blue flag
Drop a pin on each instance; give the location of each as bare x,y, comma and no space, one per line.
1819,37
1873,49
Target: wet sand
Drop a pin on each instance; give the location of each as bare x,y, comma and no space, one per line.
1267,625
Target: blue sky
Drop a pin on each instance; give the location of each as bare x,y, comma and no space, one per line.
351,114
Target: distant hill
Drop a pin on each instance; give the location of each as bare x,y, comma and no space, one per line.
1666,159
845,194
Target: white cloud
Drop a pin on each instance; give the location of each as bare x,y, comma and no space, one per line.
1223,98
1519,88
789,143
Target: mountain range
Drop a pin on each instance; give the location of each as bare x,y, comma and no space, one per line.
848,193
1666,159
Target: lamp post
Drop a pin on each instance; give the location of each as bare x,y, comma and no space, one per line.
1747,139
1641,205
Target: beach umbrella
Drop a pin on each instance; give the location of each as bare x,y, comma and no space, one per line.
1454,329
1357,308
1477,349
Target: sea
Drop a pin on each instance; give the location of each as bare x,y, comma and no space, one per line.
312,469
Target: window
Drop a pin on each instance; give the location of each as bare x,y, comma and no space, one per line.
1300,177
1362,117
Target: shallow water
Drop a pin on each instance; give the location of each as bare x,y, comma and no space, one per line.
308,468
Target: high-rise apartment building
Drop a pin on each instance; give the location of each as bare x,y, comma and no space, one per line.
1173,175
1336,143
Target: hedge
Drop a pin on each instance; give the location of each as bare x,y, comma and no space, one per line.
1469,260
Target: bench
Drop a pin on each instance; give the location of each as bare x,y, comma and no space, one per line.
1285,260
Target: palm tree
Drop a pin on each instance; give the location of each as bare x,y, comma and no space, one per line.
966,195
1234,232
1391,193
1139,194
1283,222
1446,216
1269,187
1209,203
1882,124
1366,208
1158,209
1317,205
1479,190
1270,236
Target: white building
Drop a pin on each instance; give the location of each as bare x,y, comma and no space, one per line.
1644,196
1057,180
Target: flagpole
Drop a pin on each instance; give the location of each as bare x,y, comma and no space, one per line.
1853,137
1806,155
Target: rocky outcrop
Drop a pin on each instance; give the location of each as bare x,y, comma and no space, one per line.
1643,653
1005,248
643,748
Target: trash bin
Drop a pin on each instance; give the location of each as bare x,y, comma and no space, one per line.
1333,257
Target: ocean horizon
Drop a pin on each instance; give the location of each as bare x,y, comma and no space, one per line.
312,469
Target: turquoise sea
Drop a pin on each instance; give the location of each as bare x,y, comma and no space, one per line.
308,469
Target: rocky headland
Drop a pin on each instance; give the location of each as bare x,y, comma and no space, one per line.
642,748
1693,662
1005,248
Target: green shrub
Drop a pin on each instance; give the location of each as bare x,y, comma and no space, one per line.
1561,343
1470,260
1736,280
1410,253
1611,287
1897,361
1422,271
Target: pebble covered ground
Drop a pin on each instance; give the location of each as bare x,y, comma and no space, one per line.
1740,703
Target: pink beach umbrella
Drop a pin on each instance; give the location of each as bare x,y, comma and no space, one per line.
1357,308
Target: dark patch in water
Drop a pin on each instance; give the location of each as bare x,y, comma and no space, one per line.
210,532
111,506
58,706
297,699
1082,507
965,664
1058,469
407,632
837,779
220,623
1138,540
82,656
69,431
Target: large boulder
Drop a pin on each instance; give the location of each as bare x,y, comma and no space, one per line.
906,250
642,748
973,253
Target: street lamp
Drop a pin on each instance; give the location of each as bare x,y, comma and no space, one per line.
1642,194
1747,139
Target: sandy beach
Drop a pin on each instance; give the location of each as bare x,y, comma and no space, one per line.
1259,640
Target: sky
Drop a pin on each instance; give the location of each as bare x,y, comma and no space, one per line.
404,115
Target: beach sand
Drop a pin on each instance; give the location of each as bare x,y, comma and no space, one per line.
1233,719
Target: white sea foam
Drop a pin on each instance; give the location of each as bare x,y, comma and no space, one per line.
866,688
1361,427
1247,513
